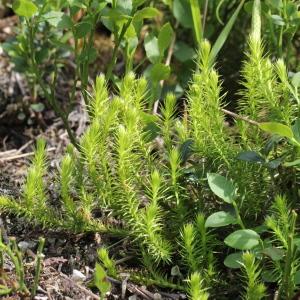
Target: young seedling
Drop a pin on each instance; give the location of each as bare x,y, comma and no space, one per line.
243,239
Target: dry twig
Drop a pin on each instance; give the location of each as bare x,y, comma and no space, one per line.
17,156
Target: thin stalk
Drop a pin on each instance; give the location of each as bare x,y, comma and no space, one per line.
204,16
1,253
238,216
119,39
196,13
236,116
18,261
38,264
271,26
88,44
286,289
280,51
49,97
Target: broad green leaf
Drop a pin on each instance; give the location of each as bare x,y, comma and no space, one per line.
88,55
37,107
243,239
276,4
275,163
297,277
53,17
220,219
125,6
277,20
159,72
98,6
184,52
296,130
297,242
115,15
277,128
65,22
77,3
82,29
130,32
182,12
152,49
145,13
100,280
165,38
250,156
296,80
221,187
292,163
132,45
224,34
137,3
234,260
24,8
274,253
269,276
186,149
151,130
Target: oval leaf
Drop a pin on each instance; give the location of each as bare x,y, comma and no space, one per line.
292,163
160,72
221,187
274,253
244,239
296,80
82,29
165,38
152,49
296,130
250,156
220,219
24,8
145,13
234,260
297,278
277,128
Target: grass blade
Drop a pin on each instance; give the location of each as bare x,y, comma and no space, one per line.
196,13
224,34
256,20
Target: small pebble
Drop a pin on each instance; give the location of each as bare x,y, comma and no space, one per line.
157,296
78,276
23,245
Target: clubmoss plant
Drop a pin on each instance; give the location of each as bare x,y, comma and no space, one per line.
195,289
255,289
147,175
19,285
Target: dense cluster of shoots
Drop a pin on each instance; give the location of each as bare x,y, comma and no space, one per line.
147,172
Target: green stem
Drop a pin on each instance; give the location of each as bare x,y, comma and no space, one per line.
286,289
38,264
238,216
50,97
1,254
280,42
196,14
18,261
119,39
